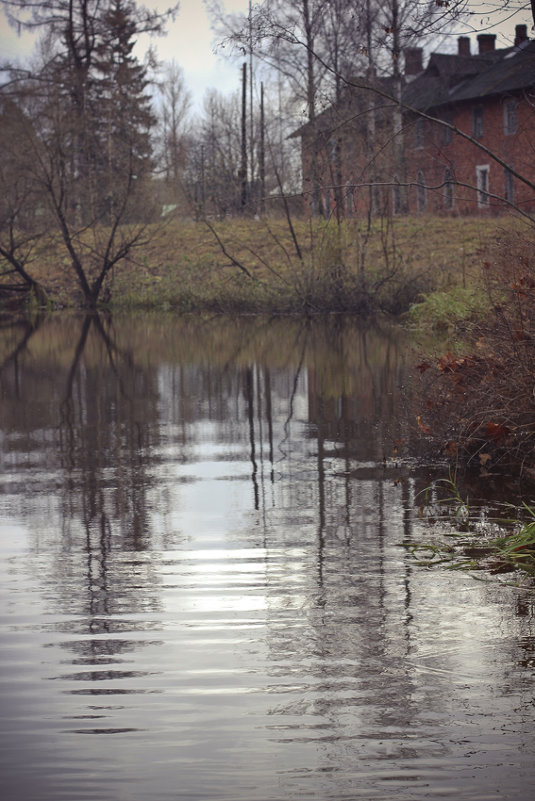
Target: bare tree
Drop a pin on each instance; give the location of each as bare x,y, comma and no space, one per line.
87,131
173,105
214,157
22,210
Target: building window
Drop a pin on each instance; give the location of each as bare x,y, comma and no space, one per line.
446,134
509,117
332,149
421,192
477,122
482,183
509,186
448,189
419,133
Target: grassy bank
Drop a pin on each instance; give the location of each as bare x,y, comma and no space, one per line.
250,266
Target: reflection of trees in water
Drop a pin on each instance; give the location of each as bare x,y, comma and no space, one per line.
276,393
108,423
90,416
354,417
312,410
16,336
107,426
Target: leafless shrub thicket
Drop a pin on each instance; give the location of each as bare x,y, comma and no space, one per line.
482,404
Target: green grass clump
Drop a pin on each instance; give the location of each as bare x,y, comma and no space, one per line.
448,308
519,548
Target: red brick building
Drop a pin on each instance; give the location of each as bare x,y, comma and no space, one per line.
352,160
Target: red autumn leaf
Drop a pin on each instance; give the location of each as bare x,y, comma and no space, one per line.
445,362
448,363
496,431
423,366
523,281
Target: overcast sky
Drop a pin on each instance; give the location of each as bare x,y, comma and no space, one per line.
190,41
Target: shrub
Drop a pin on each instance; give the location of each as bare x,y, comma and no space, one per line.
482,404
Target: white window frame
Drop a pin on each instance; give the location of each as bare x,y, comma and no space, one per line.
482,183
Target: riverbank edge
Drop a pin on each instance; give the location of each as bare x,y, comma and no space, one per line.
426,272
426,267
469,539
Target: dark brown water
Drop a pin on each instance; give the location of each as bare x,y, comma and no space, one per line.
203,593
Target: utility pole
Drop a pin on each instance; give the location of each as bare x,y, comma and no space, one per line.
243,170
251,112
202,179
400,190
262,154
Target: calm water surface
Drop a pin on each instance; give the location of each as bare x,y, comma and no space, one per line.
203,590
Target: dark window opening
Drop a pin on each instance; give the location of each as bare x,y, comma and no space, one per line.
448,189
446,134
419,133
477,122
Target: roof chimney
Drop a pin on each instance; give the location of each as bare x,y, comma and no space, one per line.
486,42
521,34
463,46
413,60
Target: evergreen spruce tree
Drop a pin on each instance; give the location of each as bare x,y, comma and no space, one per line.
123,110
88,125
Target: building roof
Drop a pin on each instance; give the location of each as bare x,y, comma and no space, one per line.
448,78
454,78
353,103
